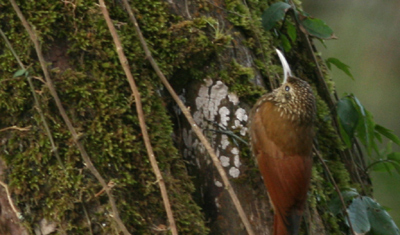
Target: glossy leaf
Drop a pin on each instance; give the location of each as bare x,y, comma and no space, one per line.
358,215
388,134
348,116
381,222
388,160
378,136
388,149
285,43
340,65
19,73
366,127
273,14
382,166
394,158
396,166
345,137
369,123
335,205
317,28
361,107
292,32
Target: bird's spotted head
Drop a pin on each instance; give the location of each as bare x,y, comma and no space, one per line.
294,100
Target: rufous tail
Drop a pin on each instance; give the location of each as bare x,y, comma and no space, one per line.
288,226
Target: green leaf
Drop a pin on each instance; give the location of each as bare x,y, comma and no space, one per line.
348,116
378,136
381,222
387,150
335,205
273,14
396,166
340,65
347,140
395,160
370,131
322,42
361,107
395,156
292,32
285,43
317,28
358,215
106,65
382,166
388,134
366,128
19,73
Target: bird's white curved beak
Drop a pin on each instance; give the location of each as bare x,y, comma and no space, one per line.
286,69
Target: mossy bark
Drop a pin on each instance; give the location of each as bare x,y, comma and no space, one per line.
219,60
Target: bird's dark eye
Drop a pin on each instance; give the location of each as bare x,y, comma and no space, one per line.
287,88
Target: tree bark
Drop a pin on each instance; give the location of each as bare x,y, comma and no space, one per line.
218,59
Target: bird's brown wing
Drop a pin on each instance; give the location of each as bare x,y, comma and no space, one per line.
286,176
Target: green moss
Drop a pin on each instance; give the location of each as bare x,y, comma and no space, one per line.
94,90
238,78
97,97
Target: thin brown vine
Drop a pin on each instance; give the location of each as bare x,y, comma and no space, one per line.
67,120
54,149
142,122
336,187
192,123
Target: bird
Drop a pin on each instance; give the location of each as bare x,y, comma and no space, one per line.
281,130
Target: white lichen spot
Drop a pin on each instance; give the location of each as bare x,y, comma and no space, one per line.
207,110
208,82
218,183
203,97
236,161
224,141
224,114
233,98
220,88
234,172
243,131
235,151
209,98
197,117
237,124
224,161
241,114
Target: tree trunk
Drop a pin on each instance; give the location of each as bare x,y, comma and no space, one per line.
218,59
